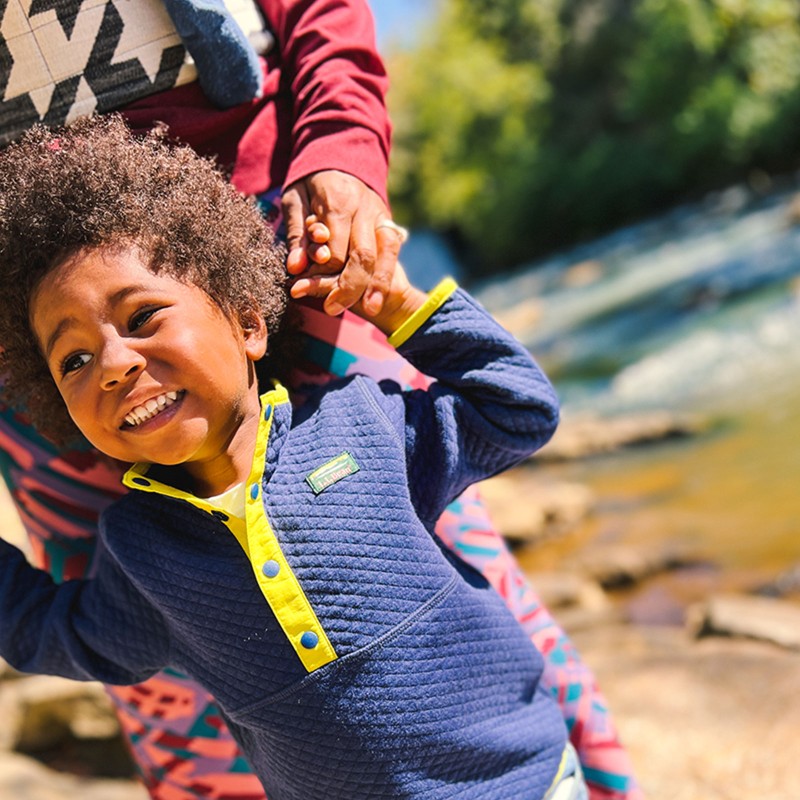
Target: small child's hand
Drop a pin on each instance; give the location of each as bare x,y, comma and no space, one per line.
318,237
315,279
400,302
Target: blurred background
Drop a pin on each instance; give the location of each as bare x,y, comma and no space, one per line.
619,182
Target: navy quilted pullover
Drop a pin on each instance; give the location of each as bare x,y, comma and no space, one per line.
353,657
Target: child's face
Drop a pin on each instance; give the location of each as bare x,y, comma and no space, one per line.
150,368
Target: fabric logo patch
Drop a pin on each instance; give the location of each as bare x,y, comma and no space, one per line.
332,472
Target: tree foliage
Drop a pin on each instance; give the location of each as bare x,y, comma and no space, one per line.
521,125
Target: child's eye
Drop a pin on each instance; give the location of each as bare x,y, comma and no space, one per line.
140,318
74,362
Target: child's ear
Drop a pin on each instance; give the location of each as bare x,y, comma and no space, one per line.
255,334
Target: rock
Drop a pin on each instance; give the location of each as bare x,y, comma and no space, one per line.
584,273
525,506
654,604
22,778
67,725
521,317
585,435
764,618
617,566
575,601
42,711
786,583
793,211
562,590
581,619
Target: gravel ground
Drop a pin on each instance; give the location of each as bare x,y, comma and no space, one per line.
714,719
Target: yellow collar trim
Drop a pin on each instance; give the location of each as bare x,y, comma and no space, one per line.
137,478
274,576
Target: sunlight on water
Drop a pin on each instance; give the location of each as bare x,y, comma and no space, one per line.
697,311
728,497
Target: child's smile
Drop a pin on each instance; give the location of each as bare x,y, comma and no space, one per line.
151,408
150,368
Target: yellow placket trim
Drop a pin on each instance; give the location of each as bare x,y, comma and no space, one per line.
275,578
282,591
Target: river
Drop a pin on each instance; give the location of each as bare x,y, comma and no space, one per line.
697,311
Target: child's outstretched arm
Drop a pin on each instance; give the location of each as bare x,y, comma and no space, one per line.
98,629
491,405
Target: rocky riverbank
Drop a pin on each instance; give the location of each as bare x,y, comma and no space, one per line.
703,688
700,662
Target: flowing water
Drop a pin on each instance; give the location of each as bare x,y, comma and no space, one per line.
697,311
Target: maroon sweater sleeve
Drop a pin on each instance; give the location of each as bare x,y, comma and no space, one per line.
322,107
329,65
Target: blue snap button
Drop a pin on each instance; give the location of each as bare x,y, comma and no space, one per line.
254,491
309,640
220,515
141,481
271,568
267,411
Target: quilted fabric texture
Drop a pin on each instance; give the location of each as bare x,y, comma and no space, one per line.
435,689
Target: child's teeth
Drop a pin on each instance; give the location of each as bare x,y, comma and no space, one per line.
150,408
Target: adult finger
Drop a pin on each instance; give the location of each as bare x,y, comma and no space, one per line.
357,273
313,286
295,210
388,242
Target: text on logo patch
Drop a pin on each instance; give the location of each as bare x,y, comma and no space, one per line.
328,474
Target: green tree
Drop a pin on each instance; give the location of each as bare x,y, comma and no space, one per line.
522,125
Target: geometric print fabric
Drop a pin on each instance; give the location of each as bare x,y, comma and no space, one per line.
61,59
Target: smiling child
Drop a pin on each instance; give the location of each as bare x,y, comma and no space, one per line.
282,557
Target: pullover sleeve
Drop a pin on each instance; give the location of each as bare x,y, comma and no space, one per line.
97,629
490,407
330,64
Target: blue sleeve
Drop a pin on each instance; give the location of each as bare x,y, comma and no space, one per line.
98,629
490,407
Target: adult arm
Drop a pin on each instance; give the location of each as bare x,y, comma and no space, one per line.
340,140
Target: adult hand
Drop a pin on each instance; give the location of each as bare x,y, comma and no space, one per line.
361,254
400,302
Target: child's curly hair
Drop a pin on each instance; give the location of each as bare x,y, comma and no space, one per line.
93,185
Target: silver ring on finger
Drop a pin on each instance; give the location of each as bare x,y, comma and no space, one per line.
401,232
